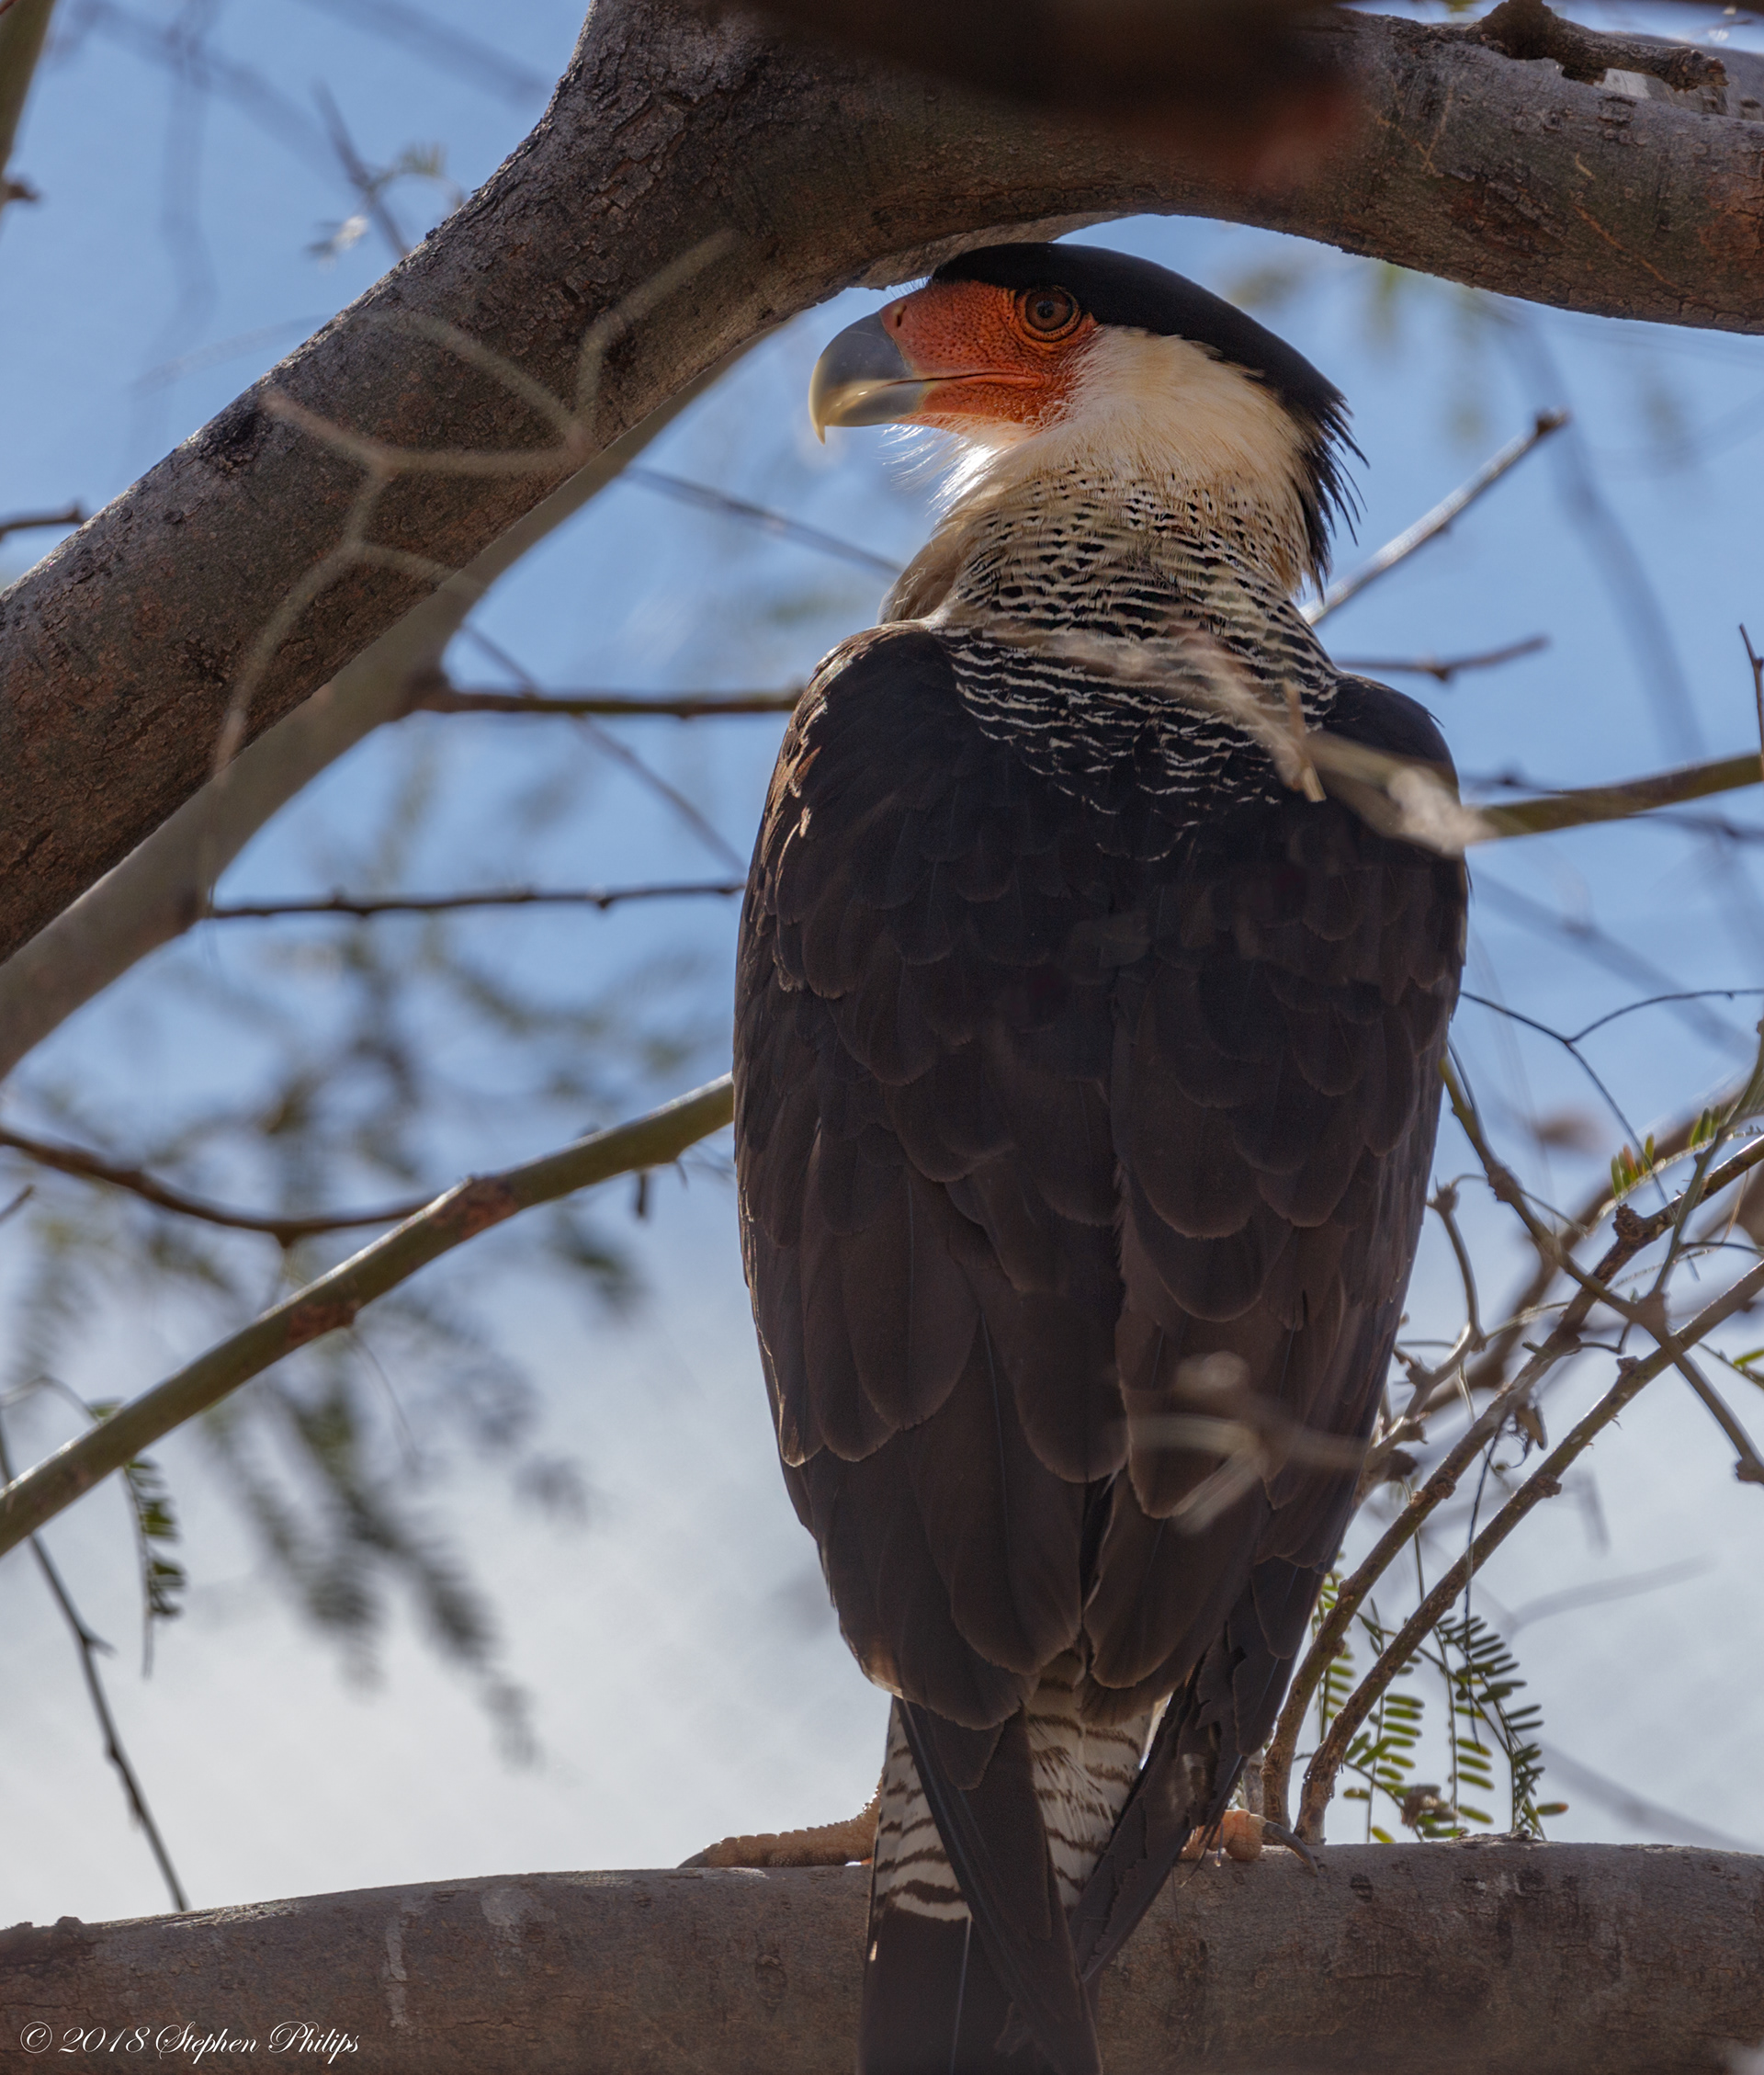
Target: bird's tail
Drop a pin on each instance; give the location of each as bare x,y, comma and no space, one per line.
1010,1821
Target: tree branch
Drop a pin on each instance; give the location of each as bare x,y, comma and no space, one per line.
162,886
1544,1482
28,522
1632,1236
1430,525
24,24
333,1302
1442,669
615,706
89,1644
122,651
91,1167
602,897
1426,1959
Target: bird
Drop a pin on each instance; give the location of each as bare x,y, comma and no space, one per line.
1087,1073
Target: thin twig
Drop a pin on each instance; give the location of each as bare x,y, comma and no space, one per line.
1601,947
601,897
26,522
1546,1482
1442,669
1632,1235
1444,1207
89,1646
610,705
92,1167
334,1299
1432,524
358,175
707,499
621,753
1757,662
1749,1469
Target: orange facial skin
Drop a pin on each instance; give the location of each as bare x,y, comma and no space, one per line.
989,353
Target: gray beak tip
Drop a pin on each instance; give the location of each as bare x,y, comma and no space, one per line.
861,379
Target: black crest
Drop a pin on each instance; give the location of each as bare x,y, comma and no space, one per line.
1116,288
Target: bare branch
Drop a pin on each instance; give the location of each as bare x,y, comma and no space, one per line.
92,1167
1632,1234
1430,525
1589,804
371,191
27,522
88,1645
740,131
775,523
1546,1482
601,897
1442,669
162,887
612,705
610,744
333,1300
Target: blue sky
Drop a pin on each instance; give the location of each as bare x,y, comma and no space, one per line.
687,1680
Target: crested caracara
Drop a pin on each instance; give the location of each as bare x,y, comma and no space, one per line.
1087,1073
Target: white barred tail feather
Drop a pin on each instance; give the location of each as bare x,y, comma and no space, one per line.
935,1994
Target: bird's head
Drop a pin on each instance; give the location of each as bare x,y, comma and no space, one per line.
1046,357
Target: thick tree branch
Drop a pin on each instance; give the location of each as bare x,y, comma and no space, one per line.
162,886
1429,1959
333,1302
122,652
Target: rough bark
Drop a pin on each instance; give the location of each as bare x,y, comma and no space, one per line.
162,886
1493,1959
120,653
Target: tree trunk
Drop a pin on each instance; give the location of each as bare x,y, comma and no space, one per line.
122,652
1475,1958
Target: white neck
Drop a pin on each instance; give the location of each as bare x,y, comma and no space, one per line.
1152,423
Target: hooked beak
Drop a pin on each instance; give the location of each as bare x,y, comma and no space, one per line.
863,379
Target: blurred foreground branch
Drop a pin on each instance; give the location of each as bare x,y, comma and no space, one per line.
334,1299
1441,1959
124,651
162,886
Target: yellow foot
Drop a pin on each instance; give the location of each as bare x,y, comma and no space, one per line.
1238,1836
827,1845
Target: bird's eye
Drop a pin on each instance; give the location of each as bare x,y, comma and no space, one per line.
1048,312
